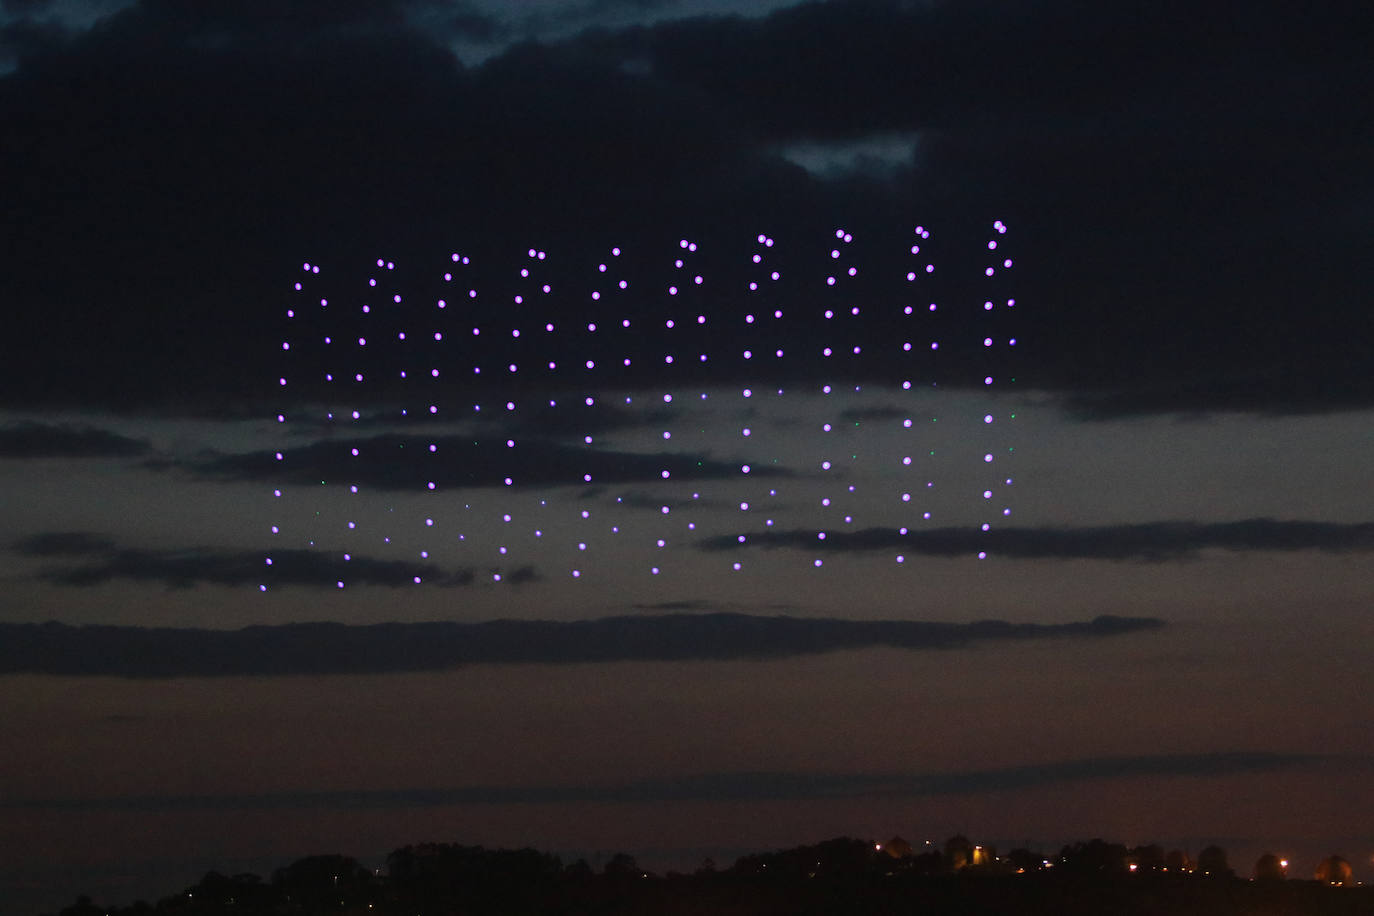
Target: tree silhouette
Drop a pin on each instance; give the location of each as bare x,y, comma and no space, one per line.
1212,861
1269,868
1333,870
1177,861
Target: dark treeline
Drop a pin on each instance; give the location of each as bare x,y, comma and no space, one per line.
842,875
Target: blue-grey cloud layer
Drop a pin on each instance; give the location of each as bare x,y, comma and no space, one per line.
1153,541
48,440
82,559
333,648
724,787
405,462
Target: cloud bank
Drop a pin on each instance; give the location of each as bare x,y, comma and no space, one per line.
724,787
1152,541
47,440
334,648
96,560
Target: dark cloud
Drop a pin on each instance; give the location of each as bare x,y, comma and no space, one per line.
1186,190
65,544
673,606
329,648
1153,541
105,561
46,440
1275,394
726,786
405,462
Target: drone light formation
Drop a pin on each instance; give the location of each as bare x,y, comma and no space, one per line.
595,419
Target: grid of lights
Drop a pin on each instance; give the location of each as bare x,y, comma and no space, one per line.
446,420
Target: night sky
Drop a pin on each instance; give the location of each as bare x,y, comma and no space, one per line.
1051,520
